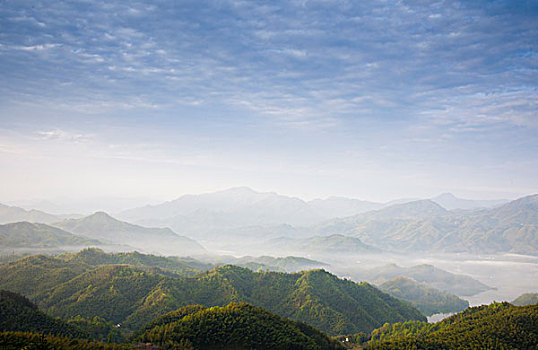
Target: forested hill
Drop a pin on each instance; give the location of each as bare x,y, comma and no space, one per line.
495,326
427,300
18,314
235,326
125,294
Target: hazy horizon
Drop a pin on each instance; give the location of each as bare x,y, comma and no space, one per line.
376,100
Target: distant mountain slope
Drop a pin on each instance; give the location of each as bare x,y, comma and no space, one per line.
495,326
107,229
335,207
419,209
25,234
10,214
427,300
238,326
450,202
236,207
123,294
434,277
512,227
320,245
526,299
18,314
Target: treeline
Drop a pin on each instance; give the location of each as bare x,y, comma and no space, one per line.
495,326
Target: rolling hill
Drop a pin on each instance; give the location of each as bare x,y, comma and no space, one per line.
133,297
427,300
235,326
495,326
18,314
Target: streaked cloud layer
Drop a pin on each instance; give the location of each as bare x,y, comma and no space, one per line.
372,99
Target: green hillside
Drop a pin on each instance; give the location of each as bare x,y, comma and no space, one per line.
17,313
96,257
427,300
25,234
37,341
133,297
495,326
235,326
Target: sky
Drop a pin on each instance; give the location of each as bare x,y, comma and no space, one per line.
374,100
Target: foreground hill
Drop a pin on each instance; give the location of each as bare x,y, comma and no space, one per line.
39,341
235,326
18,314
28,235
495,326
427,300
133,297
105,228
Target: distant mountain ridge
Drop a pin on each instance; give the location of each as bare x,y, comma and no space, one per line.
26,234
426,226
105,228
234,207
450,202
10,214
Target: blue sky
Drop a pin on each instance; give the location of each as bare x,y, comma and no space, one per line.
367,99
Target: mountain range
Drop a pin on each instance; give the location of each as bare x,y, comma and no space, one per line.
244,221
425,226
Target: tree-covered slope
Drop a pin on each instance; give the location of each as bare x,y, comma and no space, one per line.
235,326
133,297
18,314
495,326
26,234
38,341
427,300
96,257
